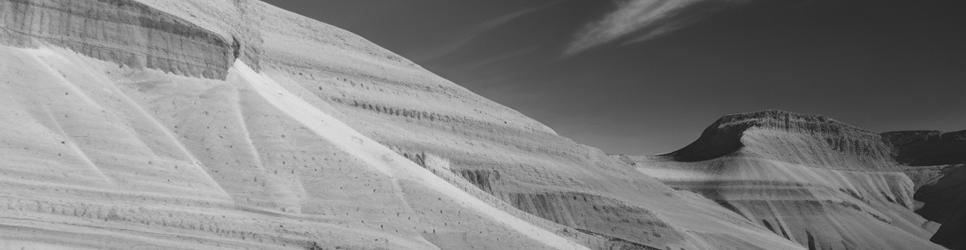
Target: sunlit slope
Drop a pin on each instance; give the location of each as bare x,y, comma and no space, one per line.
97,165
235,124
498,150
813,180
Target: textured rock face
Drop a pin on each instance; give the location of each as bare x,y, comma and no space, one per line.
314,138
122,31
842,141
813,180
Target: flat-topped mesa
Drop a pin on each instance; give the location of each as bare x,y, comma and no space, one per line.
927,148
123,31
808,178
787,136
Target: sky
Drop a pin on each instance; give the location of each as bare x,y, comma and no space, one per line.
647,76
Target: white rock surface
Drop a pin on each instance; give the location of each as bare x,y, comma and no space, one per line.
307,136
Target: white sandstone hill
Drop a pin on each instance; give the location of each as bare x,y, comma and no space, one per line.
233,124
813,180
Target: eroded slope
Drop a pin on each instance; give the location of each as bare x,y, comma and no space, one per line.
94,165
507,155
271,130
810,179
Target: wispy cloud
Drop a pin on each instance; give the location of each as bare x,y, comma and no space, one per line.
479,29
644,18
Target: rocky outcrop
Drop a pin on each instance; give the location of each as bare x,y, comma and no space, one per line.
122,31
725,135
931,160
813,180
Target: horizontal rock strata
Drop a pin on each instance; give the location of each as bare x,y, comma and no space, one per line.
810,179
122,31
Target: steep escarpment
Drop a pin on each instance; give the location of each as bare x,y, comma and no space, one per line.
123,31
810,179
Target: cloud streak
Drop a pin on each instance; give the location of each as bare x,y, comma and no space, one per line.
645,19
477,30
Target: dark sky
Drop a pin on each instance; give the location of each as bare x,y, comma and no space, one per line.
647,76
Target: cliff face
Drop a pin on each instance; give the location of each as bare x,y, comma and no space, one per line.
122,31
810,179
